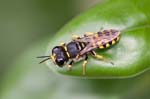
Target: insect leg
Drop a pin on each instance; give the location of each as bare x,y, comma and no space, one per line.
70,65
84,65
100,57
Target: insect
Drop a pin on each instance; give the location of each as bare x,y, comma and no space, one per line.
81,47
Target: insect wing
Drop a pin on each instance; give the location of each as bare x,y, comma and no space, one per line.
88,48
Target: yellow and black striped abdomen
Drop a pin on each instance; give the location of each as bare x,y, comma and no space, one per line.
107,38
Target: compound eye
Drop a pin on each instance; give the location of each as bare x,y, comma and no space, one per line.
60,62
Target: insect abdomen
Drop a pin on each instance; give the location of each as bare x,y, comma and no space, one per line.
107,38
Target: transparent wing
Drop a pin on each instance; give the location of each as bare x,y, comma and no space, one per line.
88,48
86,39
93,44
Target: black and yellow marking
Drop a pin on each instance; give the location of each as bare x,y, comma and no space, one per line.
110,43
79,47
107,45
53,57
118,38
64,46
82,45
101,47
113,42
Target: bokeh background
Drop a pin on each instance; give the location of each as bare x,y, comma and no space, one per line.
24,23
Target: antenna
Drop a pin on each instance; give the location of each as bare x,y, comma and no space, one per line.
47,58
42,56
44,60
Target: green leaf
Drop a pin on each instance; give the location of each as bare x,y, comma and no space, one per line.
26,79
130,56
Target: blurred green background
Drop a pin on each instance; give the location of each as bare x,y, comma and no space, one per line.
24,22
23,25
